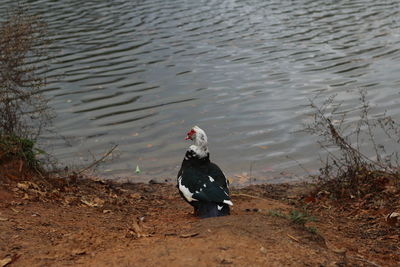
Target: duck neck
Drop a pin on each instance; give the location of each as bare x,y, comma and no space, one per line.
200,151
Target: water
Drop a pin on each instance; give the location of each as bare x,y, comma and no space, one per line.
140,73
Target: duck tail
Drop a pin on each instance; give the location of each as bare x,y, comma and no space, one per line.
212,209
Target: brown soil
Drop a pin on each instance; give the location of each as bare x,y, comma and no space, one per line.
82,222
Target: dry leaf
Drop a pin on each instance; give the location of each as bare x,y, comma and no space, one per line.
89,203
135,195
310,199
393,219
189,235
23,186
136,229
97,202
14,210
5,261
78,251
26,185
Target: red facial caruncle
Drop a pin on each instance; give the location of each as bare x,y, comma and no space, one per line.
190,135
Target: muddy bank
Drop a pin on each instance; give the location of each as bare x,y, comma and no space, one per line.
86,222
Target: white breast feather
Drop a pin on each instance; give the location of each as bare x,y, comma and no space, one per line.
185,191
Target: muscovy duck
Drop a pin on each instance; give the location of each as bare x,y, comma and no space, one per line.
201,183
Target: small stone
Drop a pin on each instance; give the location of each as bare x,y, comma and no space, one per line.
263,250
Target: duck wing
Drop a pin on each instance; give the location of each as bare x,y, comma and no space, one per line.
197,185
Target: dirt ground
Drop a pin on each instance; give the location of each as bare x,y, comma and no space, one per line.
83,222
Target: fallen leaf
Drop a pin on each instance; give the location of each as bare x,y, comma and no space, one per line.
396,237
5,261
189,235
23,186
39,192
89,203
263,147
393,219
309,199
97,202
78,251
225,261
149,145
32,185
339,250
170,234
135,195
136,229
14,210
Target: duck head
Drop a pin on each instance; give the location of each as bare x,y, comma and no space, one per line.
199,137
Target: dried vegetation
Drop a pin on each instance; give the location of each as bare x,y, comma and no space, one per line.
24,111
358,188
348,171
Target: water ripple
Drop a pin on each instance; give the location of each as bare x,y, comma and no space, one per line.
142,72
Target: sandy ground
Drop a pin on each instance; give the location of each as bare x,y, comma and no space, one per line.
95,223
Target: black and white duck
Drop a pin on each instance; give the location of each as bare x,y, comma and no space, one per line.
201,183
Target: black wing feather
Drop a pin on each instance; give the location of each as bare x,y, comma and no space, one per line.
202,187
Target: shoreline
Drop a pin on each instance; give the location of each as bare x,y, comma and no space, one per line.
90,222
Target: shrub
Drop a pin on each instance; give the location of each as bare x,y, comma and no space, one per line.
24,111
348,172
16,148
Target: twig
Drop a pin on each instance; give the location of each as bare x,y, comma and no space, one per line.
250,171
300,165
188,235
97,161
364,260
293,238
21,164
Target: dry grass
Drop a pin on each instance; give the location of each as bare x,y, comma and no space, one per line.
24,111
348,172
22,49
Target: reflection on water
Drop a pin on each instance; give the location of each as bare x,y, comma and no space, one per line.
140,73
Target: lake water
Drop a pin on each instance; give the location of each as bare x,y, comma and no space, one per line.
140,73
